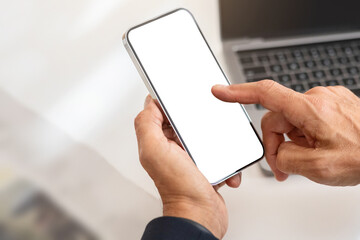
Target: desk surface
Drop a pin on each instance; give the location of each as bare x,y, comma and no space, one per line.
65,72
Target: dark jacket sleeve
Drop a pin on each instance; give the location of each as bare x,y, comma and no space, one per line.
166,228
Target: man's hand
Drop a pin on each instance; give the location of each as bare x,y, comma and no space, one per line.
184,191
323,125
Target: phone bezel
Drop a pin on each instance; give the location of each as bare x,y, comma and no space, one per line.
154,93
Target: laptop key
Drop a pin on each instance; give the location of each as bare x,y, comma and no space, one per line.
310,64
297,54
281,57
327,62
293,66
349,82
302,76
331,51
343,60
319,74
298,87
264,59
284,79
332,83
348,50
357,58
314,53
251,72
276,68
353,70
246,60
336,72
314,84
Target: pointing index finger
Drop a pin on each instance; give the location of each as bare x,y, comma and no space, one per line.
270,94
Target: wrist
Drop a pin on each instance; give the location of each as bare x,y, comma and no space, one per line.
201,213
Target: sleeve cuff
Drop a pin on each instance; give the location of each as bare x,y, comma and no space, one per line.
174,228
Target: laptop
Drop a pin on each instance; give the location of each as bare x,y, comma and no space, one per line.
300,44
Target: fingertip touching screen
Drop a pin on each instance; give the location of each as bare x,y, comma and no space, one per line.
181,69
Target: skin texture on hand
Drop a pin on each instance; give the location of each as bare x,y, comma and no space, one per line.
323,125
184,191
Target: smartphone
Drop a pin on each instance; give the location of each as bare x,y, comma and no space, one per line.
179,70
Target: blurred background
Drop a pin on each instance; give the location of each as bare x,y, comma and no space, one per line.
68,156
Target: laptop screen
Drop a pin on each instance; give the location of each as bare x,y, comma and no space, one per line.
279,18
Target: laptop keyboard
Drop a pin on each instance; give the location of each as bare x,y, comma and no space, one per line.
303,67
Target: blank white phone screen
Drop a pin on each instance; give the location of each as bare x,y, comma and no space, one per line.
182,70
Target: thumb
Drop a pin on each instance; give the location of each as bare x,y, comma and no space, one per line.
295,159
148,123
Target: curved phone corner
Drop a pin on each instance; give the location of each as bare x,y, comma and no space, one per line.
186,10
136,63
225,178
261,143
125,37
257,134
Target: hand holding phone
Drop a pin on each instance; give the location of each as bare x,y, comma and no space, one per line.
179,69
184,191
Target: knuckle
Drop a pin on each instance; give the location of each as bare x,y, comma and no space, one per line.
146,153
143,156
281,164
331,89
281,161
285,161
317,90
265,85
144,160
336,89
270,88
138,119
266,119
339,87
320,170
232,87
318,103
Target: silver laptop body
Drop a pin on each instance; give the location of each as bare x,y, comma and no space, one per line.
300,44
